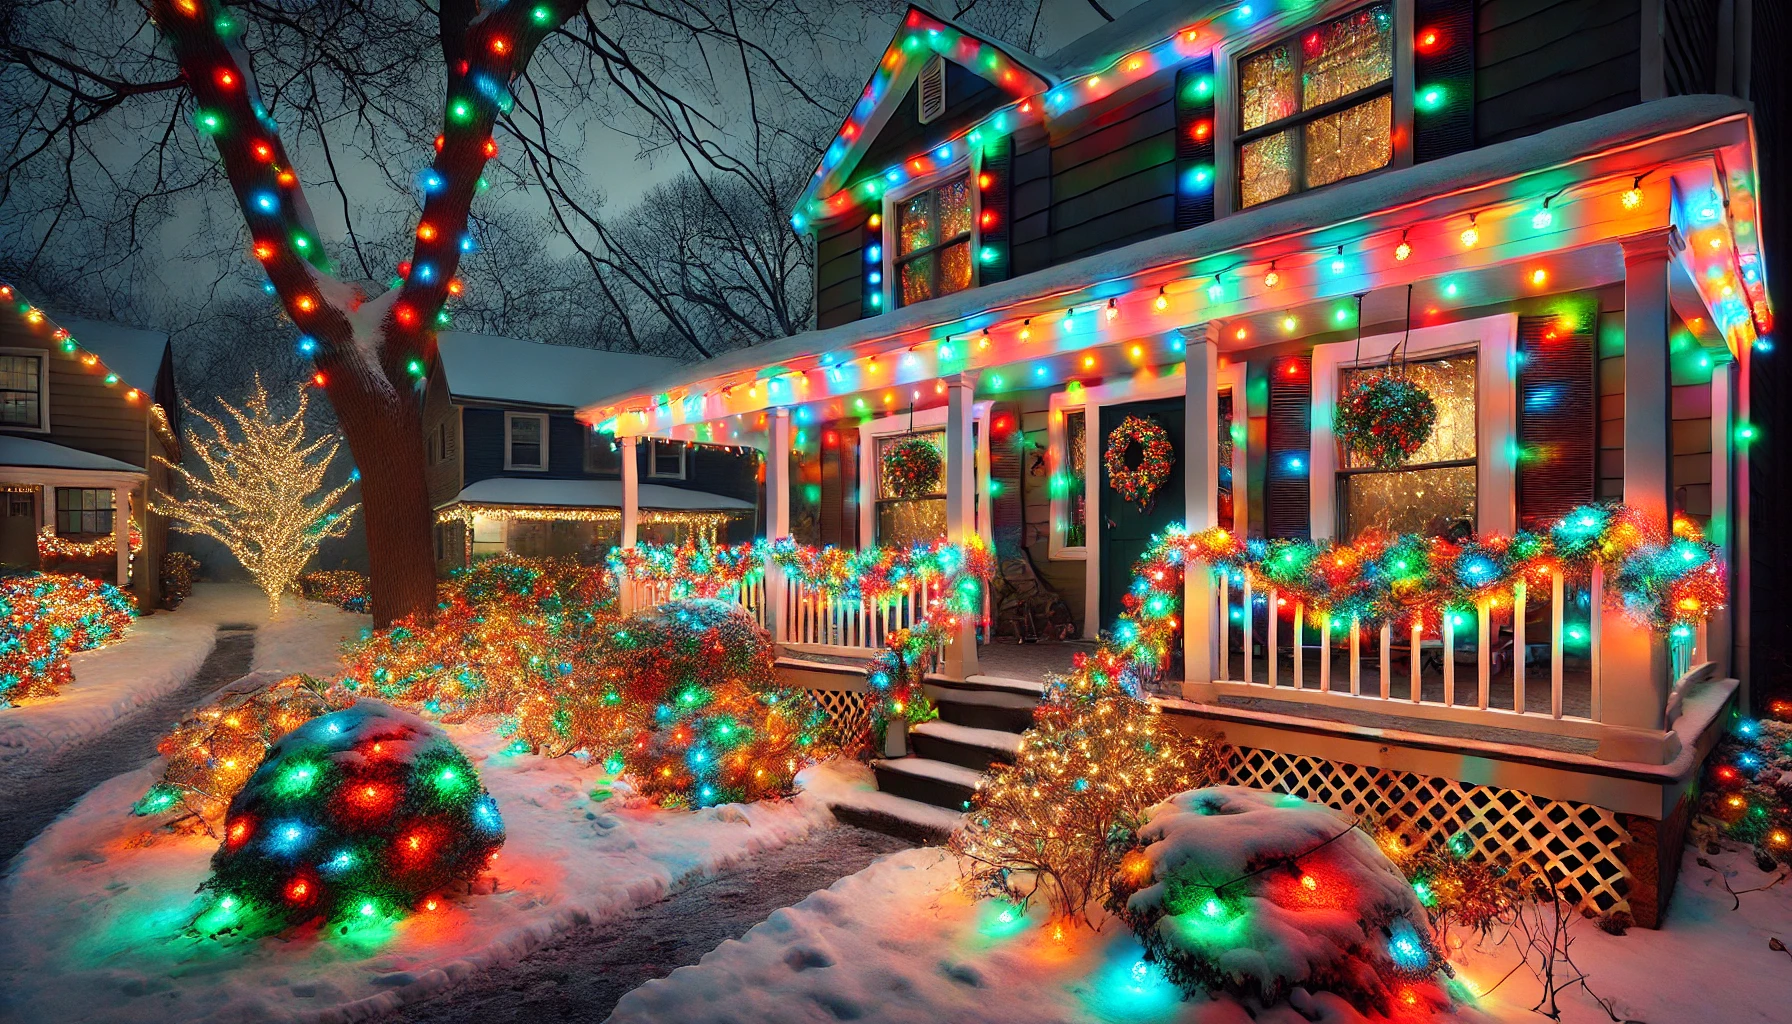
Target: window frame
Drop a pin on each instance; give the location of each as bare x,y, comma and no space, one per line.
1228,98
653,459
110,512
43,391
510,464
922,420
969,167
1343,473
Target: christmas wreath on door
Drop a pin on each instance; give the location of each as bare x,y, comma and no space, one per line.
1138,483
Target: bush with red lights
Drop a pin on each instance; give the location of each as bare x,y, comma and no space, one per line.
358,816
44,618
1749,796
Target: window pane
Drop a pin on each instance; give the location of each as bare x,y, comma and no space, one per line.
1352,141
1266,172
523,453
955,268
1076,439
955,208
1434,502
525,428
912,521
916,220
885,487
1451,384
917,279
1225,506
1343,56
1266,87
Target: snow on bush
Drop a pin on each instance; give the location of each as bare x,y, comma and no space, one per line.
355,817
44,618
1084,775
1256,894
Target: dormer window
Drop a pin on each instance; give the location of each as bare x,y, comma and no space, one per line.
1317,106
933,242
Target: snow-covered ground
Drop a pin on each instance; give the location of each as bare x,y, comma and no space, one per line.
159,653
899,942
92,920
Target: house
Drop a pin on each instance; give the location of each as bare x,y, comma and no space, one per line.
512,471
1215,220
86,408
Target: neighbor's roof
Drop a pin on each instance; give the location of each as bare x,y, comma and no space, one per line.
489,367
135,354
31,453
511,490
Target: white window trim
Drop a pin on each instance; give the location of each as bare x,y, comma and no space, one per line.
43,391
970,164
1495,341
511,417
1226,98
1057,439
653,459
924,419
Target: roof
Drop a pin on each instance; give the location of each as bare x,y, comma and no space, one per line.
497,369
35,454
135,354
1139,27
1334,215
509,490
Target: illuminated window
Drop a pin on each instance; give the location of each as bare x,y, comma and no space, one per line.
1317,106
917,518
933,241
82,510
1434,492
1076,500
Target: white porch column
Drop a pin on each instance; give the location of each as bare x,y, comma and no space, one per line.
961,509
777,517
1201,482
1633,661
631,514
121,532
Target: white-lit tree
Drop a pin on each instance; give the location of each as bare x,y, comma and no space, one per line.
260,490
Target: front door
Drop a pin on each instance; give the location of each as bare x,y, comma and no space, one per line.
18,530
1124,529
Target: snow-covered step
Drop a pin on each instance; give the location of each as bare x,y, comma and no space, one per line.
1001,708
923,779
973,748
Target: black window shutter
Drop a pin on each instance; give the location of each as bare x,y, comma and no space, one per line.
992,232
1194,143
1557,431
1287,502
1443,88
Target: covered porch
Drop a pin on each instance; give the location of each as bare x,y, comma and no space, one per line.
65,509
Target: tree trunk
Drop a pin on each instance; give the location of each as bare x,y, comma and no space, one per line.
383,426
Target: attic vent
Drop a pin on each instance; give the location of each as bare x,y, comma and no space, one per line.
930,89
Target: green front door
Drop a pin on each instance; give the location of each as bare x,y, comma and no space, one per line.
1125,530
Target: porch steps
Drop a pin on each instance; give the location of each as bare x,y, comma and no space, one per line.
975,749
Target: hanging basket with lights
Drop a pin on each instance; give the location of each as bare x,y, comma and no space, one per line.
1139,484
912,466
1383,419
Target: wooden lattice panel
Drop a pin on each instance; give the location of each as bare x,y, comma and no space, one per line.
1578,843
847,711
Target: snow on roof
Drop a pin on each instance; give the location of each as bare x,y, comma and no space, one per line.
30,452
1346,202
509,490
135,354
486,366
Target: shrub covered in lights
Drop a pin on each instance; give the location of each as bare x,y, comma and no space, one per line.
358,816
179,571
1252,893
344,588
1087,772
44,618
1748,797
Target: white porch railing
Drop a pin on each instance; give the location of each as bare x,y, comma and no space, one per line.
750,594
819,622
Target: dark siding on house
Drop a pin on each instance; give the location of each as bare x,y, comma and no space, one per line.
85,414
1543,63
441,421
840,268
1689,45
968,99
1030,202
1114,177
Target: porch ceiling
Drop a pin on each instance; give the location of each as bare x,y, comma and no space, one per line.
1282,272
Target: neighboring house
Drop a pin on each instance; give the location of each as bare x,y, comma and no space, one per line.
85,409
1218,217
511,470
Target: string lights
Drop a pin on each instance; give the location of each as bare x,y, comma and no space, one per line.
61,340
46,618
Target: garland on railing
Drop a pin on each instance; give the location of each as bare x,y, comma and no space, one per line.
876,575
52,546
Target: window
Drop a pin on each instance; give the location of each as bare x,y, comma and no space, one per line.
442,444
933,241
488,537
916,519
525,441
1434,492
1317,107
83,510
602,453
1076,498
1227,442
21,391
666,459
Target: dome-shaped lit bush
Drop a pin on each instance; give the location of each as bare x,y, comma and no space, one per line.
367,812
1255,894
